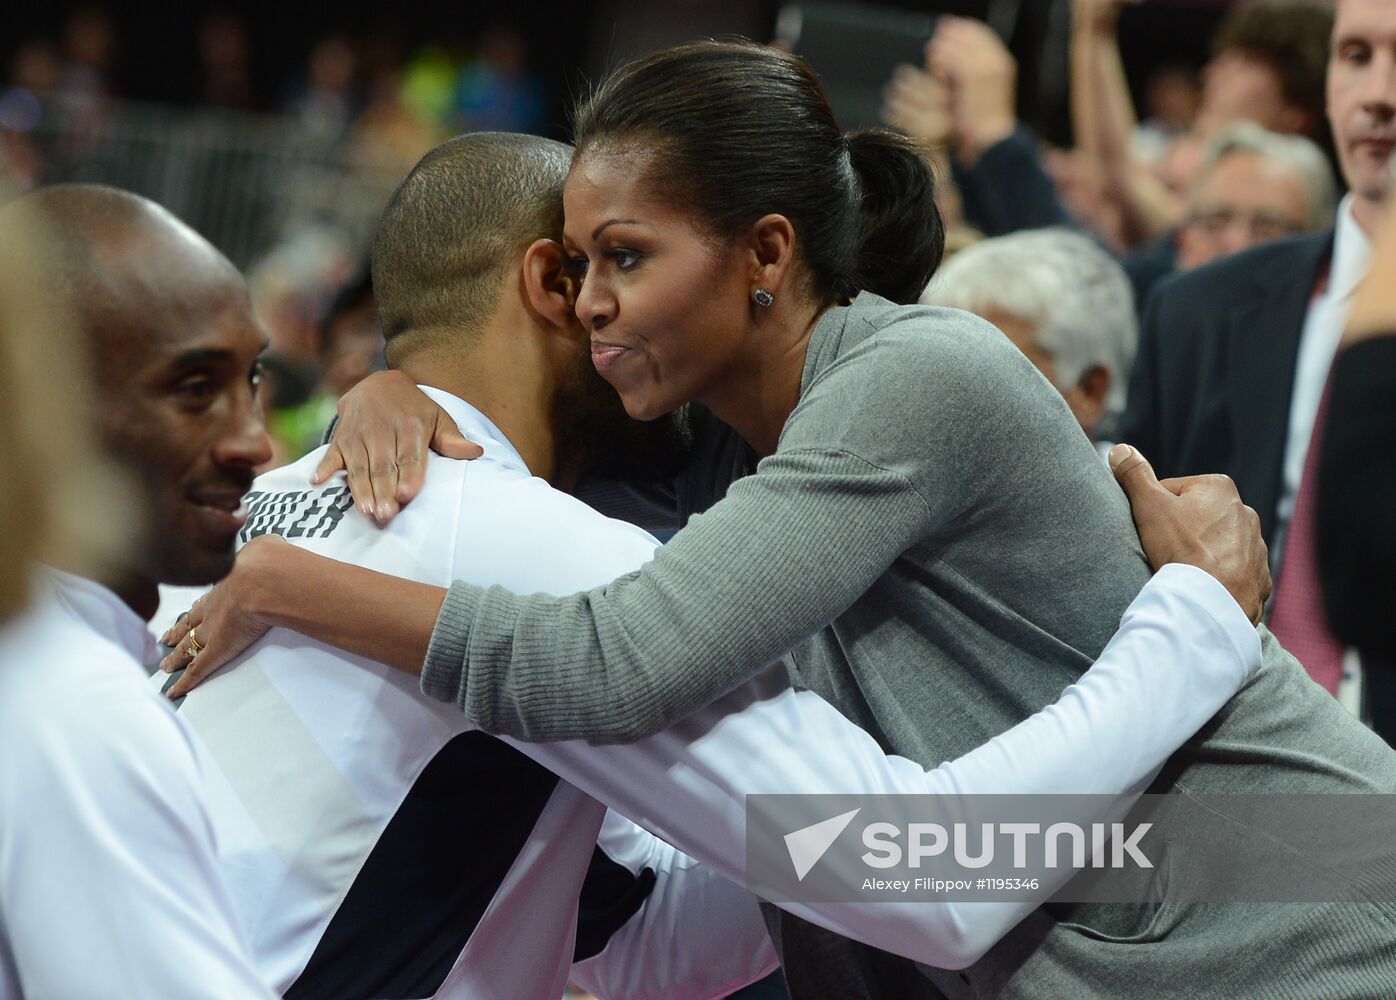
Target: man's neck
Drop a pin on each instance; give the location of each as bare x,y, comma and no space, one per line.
1367,213
139,594
508,379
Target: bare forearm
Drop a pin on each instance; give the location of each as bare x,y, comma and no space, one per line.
377,616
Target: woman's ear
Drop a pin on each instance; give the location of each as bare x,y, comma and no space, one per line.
549,284
772,240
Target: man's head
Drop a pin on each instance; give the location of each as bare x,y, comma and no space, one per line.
1362,99
455,229
1268,67
173,346
1063,301
1254,186
476,296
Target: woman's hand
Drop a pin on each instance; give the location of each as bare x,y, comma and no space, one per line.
386,424
225,621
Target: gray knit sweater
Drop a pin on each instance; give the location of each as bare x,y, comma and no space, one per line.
935,549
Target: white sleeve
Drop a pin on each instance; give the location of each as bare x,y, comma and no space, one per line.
108,882
1183,649
698,935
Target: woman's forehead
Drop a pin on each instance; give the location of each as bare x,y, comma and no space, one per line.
611,178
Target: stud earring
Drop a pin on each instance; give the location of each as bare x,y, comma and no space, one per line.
762,297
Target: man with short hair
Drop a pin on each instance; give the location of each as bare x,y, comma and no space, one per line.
477,299
1234,357
109,884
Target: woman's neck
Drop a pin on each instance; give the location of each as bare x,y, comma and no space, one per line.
762,387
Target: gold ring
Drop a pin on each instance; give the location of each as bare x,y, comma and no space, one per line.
195,646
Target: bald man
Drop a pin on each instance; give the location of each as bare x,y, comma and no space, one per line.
108,884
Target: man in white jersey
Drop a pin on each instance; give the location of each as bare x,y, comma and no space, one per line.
108,881
321,754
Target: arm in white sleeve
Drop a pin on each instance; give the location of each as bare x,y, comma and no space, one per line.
1183,649
698,935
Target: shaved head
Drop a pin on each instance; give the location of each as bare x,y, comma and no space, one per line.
173,348
118,260
455,227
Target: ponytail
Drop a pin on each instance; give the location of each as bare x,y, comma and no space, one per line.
901,236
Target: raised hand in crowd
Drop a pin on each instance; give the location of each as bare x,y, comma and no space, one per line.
918,104
980,77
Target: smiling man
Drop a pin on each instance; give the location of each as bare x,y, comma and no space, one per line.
108,884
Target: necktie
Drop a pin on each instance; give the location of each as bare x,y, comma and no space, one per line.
1297,617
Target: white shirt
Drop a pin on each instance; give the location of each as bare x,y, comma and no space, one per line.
108,883
1318,344
1184,649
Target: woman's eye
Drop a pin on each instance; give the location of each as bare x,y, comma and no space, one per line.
577,266
625,259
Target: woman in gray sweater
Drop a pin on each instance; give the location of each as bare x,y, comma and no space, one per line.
928,537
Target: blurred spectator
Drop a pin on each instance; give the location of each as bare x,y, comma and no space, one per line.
301,398
351,344
1065,303
496,92
36,71
1254,186
293,284
1235,356
89,60
1172,96
224,66
1267,67
388,135
328,101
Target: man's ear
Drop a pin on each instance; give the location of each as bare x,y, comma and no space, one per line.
1087,399
550,286
772,245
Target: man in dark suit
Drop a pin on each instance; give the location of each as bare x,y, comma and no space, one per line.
1234,357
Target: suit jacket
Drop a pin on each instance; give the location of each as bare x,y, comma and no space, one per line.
1211,386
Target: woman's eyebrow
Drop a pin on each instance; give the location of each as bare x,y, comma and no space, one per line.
595,233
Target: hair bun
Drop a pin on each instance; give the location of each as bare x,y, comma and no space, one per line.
901,236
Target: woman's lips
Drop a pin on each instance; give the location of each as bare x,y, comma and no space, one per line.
606,356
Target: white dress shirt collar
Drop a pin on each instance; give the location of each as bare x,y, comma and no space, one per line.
101,610
1352,251
478,428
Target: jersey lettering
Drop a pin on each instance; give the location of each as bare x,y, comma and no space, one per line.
299,514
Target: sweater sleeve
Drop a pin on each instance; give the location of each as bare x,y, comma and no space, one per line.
784,554
888,444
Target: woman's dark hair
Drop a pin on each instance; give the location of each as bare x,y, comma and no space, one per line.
741,130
